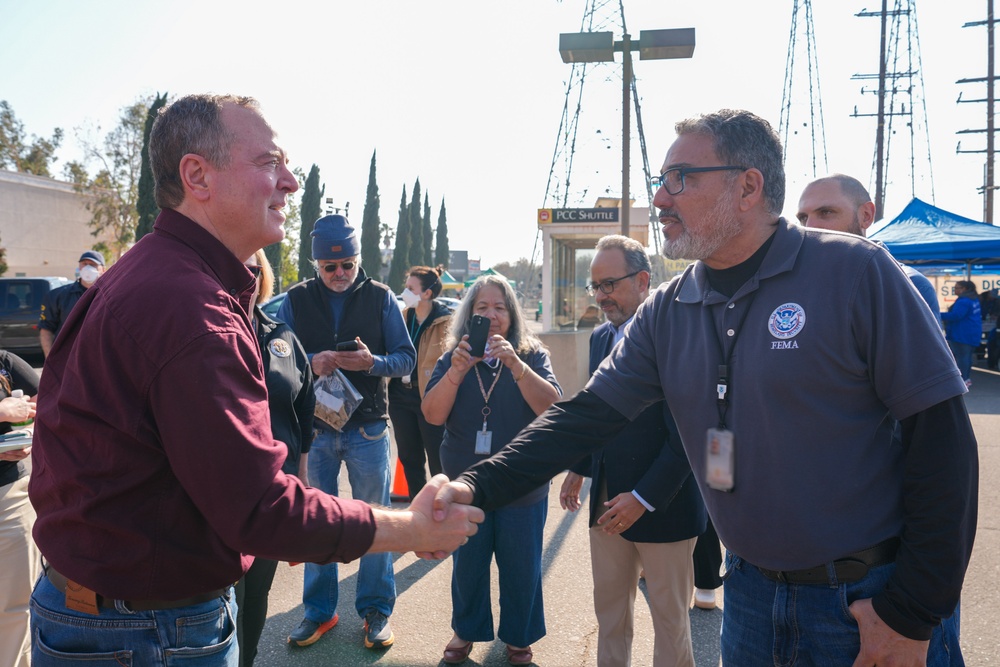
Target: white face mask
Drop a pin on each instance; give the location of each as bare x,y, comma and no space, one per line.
409,298
89,274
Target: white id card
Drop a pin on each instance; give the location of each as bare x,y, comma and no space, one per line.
484,442
720,459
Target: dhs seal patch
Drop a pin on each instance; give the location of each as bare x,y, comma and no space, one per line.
279,348
786,321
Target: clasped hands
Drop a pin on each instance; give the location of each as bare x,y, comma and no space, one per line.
445,510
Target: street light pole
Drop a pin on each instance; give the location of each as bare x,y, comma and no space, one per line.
598,47
626,129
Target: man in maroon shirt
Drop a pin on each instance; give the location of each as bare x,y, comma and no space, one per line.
154,469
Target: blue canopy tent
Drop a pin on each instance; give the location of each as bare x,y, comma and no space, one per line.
926,235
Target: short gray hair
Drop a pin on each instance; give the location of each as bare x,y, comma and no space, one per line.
192,124
747,140
636,258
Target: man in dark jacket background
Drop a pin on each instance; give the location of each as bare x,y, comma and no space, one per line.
645,509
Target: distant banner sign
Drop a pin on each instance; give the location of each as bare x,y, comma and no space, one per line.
571,215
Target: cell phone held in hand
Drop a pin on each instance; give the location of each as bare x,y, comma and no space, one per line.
479,330
347,346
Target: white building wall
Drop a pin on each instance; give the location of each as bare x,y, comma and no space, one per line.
43,225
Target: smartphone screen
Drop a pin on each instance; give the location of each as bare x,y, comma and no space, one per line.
479,329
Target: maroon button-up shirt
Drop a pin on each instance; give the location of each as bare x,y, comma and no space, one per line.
154,468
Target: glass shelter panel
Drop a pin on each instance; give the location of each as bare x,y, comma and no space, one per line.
570,275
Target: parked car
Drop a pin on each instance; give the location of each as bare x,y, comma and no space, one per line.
450,303
20,307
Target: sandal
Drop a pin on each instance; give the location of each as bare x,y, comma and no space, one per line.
457,655
519,656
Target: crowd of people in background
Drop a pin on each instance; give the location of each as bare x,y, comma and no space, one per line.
209,456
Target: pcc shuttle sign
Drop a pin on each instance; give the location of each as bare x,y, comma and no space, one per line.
577,215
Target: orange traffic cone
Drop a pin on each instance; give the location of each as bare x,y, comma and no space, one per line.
399,489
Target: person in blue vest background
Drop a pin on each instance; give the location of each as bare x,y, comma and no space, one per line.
963,326
340,305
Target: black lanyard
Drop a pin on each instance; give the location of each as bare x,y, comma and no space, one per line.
722,387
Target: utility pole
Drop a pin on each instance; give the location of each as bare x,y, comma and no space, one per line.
988,186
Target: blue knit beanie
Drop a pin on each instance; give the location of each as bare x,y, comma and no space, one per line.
334,238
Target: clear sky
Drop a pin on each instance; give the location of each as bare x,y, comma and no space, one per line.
467,96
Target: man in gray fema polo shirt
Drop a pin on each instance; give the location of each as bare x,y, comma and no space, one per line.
782,357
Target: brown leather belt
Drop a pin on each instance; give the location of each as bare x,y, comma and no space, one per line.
59,581
852,567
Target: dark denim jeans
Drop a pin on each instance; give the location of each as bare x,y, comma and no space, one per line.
770,623
514,536
202,635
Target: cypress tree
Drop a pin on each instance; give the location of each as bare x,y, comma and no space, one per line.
312,195
371,254
428,232
441,242
145,205
400,254
416,252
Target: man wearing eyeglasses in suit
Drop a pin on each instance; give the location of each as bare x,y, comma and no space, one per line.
343,305
645,509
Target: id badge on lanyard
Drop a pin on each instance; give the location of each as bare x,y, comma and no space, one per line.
720,459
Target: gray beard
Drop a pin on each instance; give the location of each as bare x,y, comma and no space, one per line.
723,226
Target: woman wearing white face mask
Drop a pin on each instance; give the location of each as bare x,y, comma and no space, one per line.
427,321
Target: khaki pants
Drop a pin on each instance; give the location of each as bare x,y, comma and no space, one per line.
20,570
669,574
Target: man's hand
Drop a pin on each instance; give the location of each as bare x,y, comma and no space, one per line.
415,529
455,519
15,454
324,363
16,410
569,494
358,360
623,510
883,646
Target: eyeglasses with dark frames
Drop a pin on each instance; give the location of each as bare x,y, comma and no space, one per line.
332,267
672,180
607,286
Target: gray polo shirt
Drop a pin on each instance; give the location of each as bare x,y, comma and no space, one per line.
830,345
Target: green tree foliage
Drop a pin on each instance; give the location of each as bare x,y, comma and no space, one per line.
146,207
114,190
415,255
371,254
312,195
441,241
428,233
400,254
18,152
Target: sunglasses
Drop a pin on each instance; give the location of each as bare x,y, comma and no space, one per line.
332,267
255,270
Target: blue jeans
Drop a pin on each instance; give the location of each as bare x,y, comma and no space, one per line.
963,357
202,635
514,536
769,623
365,450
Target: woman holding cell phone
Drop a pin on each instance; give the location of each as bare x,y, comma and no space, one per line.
484,394
18,387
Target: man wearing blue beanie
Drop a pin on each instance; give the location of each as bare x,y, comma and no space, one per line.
343,305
